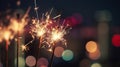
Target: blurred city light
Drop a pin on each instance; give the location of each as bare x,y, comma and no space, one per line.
91,46
67,55
30,61
96,65
58,51
116,40
95,55
42,62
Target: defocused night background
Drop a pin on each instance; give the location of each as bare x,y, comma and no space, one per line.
93,22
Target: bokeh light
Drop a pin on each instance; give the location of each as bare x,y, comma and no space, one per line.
116,40
31,61
73,20
96,65
67,55
21,62
18,3
85,63
91,46
42,62
95,55
58,51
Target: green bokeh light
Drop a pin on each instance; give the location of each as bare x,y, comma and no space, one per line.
67,55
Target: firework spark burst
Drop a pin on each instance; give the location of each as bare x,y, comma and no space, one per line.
49,30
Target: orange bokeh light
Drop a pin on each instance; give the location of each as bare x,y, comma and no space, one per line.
91,46
94,56
58,51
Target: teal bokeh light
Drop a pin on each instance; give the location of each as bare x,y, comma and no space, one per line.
67,55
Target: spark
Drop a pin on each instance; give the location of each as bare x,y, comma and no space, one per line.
24,48
57,16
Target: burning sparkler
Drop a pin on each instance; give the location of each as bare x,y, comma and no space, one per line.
6,35
54,36
49,31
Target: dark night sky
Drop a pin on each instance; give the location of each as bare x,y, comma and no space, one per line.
86,8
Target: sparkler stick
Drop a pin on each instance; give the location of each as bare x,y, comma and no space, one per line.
18,42
52,57
39,47
7,43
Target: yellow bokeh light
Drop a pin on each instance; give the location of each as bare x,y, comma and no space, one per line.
91,46
96,65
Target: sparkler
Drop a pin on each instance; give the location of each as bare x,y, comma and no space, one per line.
6,35
17,26
48,30
55,36
39,30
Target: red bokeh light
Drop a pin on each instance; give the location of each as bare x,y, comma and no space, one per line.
116,40
73,20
